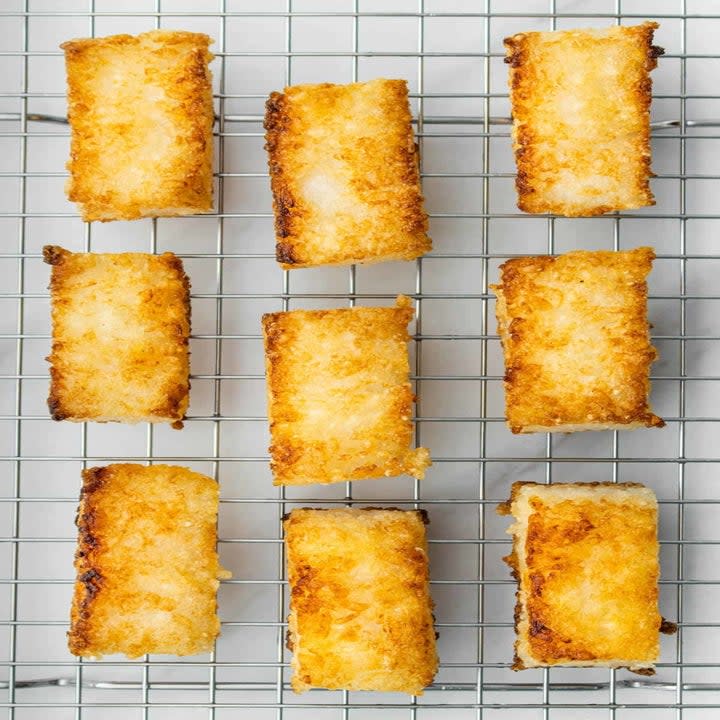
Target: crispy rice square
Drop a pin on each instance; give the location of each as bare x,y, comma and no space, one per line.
585,556
344,174
141,117
581,111
575,334
339,396
360,608
120,332
147,568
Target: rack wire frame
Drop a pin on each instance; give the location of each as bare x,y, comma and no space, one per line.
477,686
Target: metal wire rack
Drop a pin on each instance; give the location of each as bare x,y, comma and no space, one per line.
451,53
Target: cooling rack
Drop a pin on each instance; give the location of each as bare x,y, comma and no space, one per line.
450,51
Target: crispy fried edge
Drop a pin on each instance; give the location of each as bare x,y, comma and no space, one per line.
273,330
178,398
200,113
520,618
286,206
292,636
508,339
89,578
277,123
517,56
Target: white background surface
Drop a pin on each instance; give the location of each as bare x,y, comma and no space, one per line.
468,185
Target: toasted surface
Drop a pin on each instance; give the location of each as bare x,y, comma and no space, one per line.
574,331
585,556
147,569
581,111
360,607
344,174
339,397
141,116
120,331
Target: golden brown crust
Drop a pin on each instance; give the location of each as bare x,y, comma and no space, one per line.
147,569
360,607
344,174
339,397
585,556
581,111
574,331
141,114
121,328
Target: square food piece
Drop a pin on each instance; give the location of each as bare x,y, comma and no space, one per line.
141,119
581,111
339,397
147,568
574,330
585,556
120,330
344,174
360,608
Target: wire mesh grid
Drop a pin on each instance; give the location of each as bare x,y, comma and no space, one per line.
450,51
